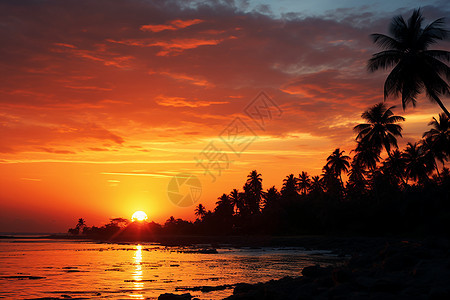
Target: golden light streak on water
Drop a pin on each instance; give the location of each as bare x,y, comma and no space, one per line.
138,274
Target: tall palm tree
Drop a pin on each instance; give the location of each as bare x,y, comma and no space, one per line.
366,157
356,179
224,207
431,153
236,200
394,166
271,198
439,137
417,164
254,191
381,130
304,182
200,211
289,187
224,200
338,163
316,185
81,223
329,181
415,68
255,180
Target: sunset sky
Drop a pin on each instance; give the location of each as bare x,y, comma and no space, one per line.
102,102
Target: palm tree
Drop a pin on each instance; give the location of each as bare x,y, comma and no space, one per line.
200,211
223,200
81,224
255,180
415,68
439,137
380,130
316,185
417,164
366,157
224,207
338,163
271,198
253,189
394,166
289,186
304,182
236,200
329,180
430,152
356,179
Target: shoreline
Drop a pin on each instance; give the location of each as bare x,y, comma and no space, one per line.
401,269
316,242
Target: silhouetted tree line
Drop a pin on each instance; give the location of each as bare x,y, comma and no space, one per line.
407,192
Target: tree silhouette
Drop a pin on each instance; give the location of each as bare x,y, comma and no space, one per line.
356,179
431,153
415,68
80,225
380,130
316,185
271,198
394,166
289,188
200,211
329,180
439,138
338,163
304,182
236,201
417,164
366,157
224,208
253,191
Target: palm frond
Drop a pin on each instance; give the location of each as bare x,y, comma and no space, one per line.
436,66
395,119
438,54
398,27
392,85
385,42
432,33
384,60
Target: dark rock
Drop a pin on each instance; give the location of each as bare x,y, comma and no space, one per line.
314,271
242,288
170,296
399,270
341,275
383,296
439,293
399,262
341,291
386,285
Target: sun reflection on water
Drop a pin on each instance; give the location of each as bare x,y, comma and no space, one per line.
138,284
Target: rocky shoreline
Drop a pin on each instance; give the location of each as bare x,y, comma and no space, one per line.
394,270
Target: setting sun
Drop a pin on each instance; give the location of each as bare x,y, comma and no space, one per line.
139,216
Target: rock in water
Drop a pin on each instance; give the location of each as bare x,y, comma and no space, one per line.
170,296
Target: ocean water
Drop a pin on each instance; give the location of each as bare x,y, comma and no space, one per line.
36,268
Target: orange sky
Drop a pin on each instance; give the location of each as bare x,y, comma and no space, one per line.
103,102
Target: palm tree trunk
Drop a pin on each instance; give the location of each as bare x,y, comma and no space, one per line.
439,102
437,170
342,185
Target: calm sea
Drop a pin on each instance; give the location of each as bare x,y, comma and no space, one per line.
38,268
